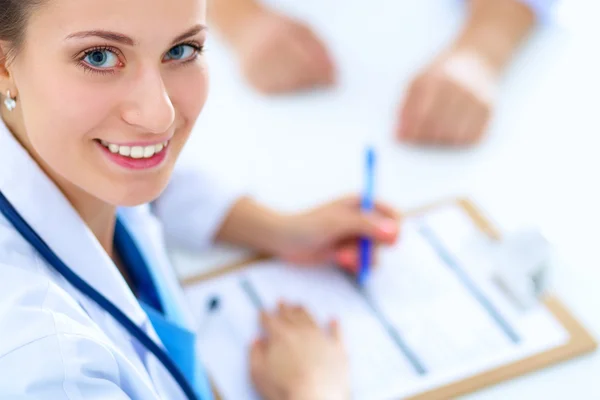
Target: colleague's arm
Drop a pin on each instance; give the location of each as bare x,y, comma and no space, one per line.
495,29
277,54
451,101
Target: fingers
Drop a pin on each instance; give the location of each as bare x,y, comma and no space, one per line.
311,66
387,211
291,67
348,222
383,209
284,318
304,69
257,355
440,110
460,119
439,127
336,331
348,257
272,324
418,104
320,60
288,319
259,365
290,58
276,70
257,352
301,317
355,223
476,124
351,223
295,315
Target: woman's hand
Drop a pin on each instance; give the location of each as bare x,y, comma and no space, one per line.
298,360
330,233
326,234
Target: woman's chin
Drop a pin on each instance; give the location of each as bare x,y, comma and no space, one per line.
131,197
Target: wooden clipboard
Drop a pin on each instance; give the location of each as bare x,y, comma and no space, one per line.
581,342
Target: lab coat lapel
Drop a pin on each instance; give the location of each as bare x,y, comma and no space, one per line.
50,214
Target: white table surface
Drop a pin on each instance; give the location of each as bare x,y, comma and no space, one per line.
539,163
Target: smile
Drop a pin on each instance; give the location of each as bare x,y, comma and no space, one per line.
135,151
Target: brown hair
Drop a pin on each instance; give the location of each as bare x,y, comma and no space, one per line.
13,21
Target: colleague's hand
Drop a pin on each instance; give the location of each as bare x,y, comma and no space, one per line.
280,55
450,102
330,233
298,360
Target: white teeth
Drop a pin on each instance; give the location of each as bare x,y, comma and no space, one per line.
137,152
134,151
148,151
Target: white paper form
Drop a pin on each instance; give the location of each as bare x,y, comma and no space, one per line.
427,316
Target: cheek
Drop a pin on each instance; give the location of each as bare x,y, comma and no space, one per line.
189,91
60,114
65,95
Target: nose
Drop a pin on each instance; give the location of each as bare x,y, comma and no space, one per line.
149,107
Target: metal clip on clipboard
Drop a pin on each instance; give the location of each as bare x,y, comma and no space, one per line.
522,262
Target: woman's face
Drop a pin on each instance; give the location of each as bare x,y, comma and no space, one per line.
109,91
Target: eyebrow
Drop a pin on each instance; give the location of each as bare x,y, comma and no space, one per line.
189,33
112,36
120,38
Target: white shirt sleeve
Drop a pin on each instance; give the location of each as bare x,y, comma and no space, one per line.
193,206
541,8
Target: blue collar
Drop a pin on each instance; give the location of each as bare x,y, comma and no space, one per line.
137,268
179,342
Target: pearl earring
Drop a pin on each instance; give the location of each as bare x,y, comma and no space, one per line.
9,102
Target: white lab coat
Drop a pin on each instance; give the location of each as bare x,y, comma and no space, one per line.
55,343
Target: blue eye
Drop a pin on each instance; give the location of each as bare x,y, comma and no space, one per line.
182,52
101,59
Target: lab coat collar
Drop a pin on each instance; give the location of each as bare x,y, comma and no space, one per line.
46,209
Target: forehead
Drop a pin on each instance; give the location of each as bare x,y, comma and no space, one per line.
144,20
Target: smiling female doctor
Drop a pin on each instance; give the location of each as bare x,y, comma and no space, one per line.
97,103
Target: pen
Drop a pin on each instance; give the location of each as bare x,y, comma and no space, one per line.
212,306
365,243
249,289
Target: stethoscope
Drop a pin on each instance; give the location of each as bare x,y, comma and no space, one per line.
13,216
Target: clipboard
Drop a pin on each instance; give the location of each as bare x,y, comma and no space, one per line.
581,341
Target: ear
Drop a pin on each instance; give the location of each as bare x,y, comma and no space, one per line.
4,60
6,81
